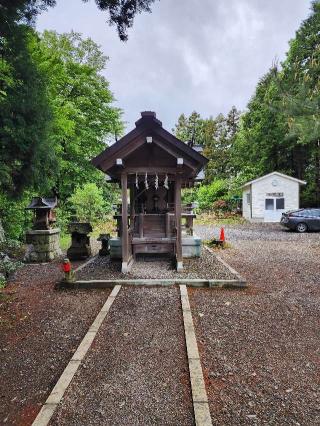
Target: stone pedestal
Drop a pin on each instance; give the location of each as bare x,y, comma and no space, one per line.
43,245
191,246
80,241
105,249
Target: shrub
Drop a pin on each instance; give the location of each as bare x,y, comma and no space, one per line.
208,194
88,203
8,266
12,248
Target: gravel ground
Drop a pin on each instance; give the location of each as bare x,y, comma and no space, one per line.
260,347
136,372
40,328
207,267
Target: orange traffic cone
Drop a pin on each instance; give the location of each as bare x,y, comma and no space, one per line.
222,237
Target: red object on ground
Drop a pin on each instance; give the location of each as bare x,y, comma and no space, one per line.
66,266
222,237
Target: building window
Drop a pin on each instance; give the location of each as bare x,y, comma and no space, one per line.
269,204
248,198
280,203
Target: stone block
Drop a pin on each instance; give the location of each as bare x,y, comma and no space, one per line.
191,246
115,248
43,245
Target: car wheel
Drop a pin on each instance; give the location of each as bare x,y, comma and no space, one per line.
301,227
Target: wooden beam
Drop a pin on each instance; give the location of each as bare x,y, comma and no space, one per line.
177,205
174,153
124,220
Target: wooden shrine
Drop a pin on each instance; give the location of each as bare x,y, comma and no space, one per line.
154,166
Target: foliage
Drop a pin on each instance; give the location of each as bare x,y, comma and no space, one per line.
9,266
281,129
121,12
14,217
81,101
189,195
208,194
88,203
25,148
56,113
12,248
215,135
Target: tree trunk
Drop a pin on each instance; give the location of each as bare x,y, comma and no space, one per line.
2,236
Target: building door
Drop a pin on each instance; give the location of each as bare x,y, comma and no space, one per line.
274,207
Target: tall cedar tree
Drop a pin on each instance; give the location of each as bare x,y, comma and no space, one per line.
215,135
25,152
281,129
299,84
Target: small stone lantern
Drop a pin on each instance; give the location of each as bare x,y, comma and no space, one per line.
43,239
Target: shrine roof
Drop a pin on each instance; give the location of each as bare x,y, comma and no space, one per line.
148,126
43,203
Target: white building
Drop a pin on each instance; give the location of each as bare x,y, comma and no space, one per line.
266,198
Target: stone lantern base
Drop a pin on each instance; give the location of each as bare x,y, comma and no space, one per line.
80,248
43,245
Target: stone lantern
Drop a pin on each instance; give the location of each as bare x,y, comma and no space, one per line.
80,241
43,239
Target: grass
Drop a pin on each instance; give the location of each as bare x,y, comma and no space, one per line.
212,219
65,241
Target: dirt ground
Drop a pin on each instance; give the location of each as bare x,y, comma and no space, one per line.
261,347
40,328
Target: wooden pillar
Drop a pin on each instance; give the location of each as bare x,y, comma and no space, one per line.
132,210
124,220
177,206
141,217
168,231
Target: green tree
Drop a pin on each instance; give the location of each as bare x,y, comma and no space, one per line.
299,85
88,203
84,119
215,135
121,12
25,116
208,194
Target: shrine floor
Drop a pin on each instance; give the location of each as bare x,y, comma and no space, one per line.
205,267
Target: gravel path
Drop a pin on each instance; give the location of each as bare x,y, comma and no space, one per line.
206,267
136,372
40,328
261,346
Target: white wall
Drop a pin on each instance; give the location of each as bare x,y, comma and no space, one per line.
260,189
246,208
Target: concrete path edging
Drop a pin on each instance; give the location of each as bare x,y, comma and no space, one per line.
224,263
89,284
58,391
199,393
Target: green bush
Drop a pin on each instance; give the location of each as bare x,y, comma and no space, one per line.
208,194
12,248
88,203
14,217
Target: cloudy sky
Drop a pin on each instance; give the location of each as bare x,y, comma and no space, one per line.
203,55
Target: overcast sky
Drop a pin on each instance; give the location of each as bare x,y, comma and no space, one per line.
203,55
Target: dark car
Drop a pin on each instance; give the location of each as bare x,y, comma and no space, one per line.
302,220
